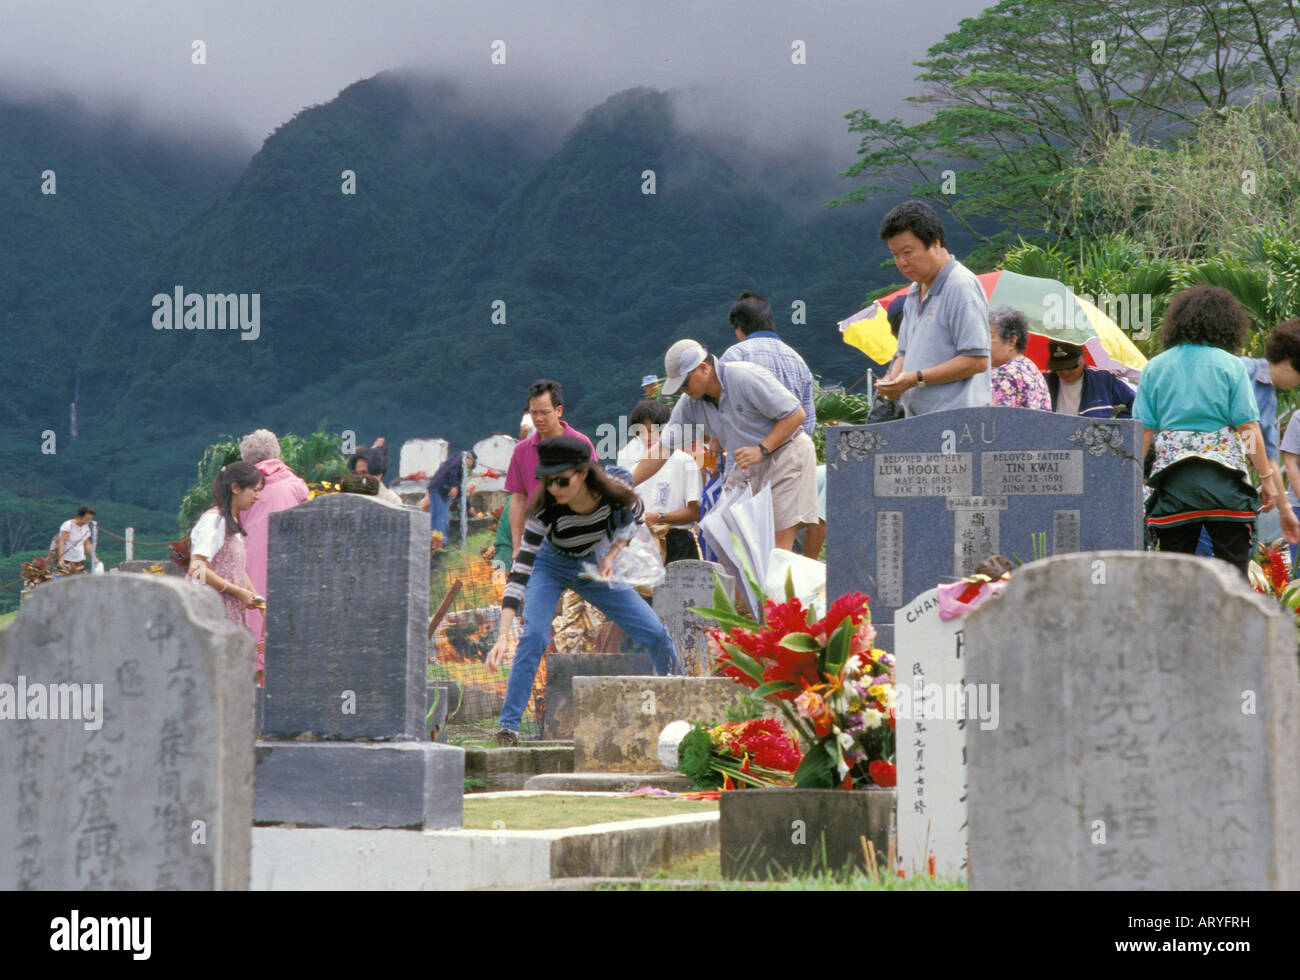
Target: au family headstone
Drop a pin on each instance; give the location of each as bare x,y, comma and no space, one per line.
688,584
126,738
344,717
931,718
1149,717
923,500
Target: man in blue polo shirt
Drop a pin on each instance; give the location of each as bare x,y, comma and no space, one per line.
751,316
943,344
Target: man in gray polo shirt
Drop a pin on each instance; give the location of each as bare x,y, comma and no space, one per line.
943,343
757,420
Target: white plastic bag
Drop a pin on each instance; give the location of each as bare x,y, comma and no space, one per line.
638,565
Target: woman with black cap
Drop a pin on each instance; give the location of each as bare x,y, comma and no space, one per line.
577,509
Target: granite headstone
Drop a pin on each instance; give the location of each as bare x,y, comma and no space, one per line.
923,500
347,620
1150,713
126,738
344,738
687,584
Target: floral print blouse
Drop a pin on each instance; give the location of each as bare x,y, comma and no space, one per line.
1020,384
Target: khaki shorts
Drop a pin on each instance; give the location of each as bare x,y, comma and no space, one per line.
791,472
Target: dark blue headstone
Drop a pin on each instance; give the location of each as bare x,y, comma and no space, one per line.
918,502
347,620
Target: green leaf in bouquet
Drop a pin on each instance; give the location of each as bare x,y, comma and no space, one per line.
746,664
729,620
774,687
748,567
801,642
1291,595
816,771
695,759
837,649
789,584
721,600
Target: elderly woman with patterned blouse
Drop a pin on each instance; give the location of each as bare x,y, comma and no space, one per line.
1017,382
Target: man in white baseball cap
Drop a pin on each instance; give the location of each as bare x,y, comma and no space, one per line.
757,420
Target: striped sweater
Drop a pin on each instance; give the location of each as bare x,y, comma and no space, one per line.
574,535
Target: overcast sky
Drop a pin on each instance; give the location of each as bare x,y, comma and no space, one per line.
267,59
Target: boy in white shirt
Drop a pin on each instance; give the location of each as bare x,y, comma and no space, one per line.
672,495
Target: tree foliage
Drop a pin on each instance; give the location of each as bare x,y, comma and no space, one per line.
1029,88
1262,272
317,457
1239,169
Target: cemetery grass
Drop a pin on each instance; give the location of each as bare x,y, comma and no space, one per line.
7,618
706,869
560,812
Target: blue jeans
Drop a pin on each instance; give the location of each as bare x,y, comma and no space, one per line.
554,572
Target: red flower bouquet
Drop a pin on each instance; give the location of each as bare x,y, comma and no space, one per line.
739,753
834,688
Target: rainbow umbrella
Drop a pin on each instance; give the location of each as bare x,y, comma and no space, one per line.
1054,313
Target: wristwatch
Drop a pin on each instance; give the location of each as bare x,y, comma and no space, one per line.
920,381
764,450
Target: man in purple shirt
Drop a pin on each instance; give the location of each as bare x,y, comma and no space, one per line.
546,408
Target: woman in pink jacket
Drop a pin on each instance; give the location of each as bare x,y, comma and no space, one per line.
283,489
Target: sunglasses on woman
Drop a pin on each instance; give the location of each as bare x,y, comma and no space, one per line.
560,481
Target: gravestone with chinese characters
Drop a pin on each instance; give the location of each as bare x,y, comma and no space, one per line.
126,738
345,742
347,620
931,745
687,584
923,500
1150,712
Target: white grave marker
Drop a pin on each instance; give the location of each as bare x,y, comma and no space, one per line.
931,751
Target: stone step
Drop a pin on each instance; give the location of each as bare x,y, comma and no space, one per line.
609,782
326,859
509,769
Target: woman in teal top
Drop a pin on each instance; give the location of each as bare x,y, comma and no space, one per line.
1199,414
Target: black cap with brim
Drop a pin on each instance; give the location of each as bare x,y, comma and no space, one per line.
560,453
1062,356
